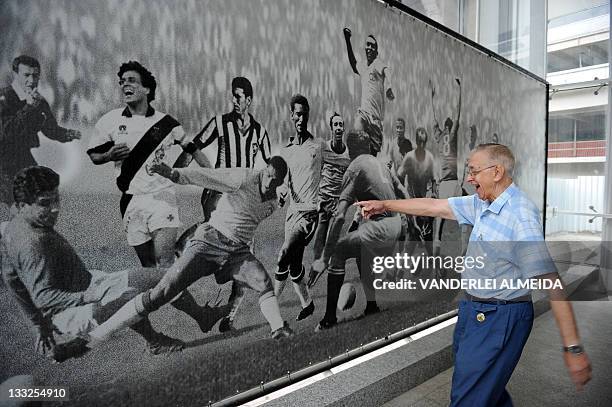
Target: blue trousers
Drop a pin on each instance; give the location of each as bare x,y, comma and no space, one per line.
488,342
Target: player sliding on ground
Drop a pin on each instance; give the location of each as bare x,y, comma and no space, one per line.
219,246
51,283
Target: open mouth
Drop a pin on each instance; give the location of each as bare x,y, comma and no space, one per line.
128,92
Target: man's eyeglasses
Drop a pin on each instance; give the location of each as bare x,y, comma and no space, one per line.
128,80
472,172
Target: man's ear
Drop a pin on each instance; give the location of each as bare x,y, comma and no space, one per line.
500,172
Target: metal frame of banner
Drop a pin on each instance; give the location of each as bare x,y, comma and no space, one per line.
294,377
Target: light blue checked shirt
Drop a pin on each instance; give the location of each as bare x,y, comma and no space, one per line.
508,235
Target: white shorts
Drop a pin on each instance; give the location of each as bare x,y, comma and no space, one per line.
78,321
148,213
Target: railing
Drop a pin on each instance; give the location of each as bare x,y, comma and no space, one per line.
579,15
594,148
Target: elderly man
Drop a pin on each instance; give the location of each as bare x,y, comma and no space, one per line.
24,113
494,323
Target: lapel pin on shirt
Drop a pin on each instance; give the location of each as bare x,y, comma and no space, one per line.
480,317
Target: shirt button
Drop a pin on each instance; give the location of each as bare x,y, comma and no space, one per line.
480,317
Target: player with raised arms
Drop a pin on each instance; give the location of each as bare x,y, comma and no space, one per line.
375,89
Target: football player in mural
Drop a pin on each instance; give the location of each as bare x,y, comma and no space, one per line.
134,138
55,290
375,89
399,149
304,158
365,177
241,142
23,114
335,162
220,246
446,140
417,169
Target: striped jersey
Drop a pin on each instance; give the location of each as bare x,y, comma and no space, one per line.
234,147
334,166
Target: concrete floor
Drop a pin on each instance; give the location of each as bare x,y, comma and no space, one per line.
541,379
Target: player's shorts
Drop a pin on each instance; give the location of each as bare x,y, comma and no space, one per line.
327,207
78,321
376,232
372,238
374,128
300,227
148,213
214,253
303,223
448,189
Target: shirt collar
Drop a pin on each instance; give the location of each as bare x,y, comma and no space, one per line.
127,113
235,117
18,90
295,140
499,202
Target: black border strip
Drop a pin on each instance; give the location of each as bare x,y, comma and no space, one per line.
545,161
400,6
293,377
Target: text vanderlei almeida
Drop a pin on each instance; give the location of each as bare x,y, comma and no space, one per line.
403,261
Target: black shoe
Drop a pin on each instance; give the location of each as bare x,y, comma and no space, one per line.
325,324
71,349
209,317
226,325
282,332
371,309
306,311
165,344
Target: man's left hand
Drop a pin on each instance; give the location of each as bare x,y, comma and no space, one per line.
45,341
162,169
579,367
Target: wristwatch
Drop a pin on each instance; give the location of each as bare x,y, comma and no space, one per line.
575,349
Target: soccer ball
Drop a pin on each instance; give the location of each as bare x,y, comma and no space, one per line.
347,296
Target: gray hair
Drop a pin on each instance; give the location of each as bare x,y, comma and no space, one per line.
499,154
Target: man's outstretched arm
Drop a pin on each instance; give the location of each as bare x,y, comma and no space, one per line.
418,206
349,50
217,179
